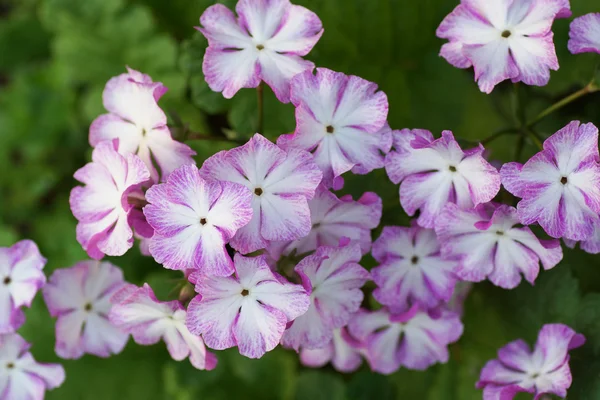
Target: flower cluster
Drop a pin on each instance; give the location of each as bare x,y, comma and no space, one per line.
274,253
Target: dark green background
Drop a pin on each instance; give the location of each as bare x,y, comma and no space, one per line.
56,56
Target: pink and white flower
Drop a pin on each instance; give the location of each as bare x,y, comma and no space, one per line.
560,185
343,352
411,269
590,245
21,376
503,39
413,340
543,371
333,278
137,311
193,219
266,43
433,172
341,119
282,182
80,297
101,207
140,125
249,309
584,34
488,242
21,276
334,218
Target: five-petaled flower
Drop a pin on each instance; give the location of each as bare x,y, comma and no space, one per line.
21,276
282,182
414,339
334,218
21,376
488,242
341,119
266,43
503,39
544,371
194,218
434,172
249,309
140,125
411,269
584,34
101,206
333,278
560,185
137,311
80,297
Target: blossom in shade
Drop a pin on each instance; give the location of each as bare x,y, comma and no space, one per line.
265,43
333,277
80,297
411,269
281,181
101,206
334,218
21,376
545,370
137,311
341,119
249,309
414,339
138,122
489,242
21,277
590,245
560,185
433,172
584,34
503,39
343,351
193,219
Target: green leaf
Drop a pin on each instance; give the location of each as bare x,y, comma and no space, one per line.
319,385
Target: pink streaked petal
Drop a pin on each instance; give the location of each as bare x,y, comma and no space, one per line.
584,34
297,174
300,30
278,69
168,153
258,329
428,192
133,101
249,238
574,138
228,71
552,345
307,331
535,18
262,19
492,63
111,126
466,25
535,57
285,217
213,319
222,30
516,356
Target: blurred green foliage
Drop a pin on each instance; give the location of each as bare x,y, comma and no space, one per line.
57,56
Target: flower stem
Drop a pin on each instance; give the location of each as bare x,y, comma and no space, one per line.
589,88
498,134
259,93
